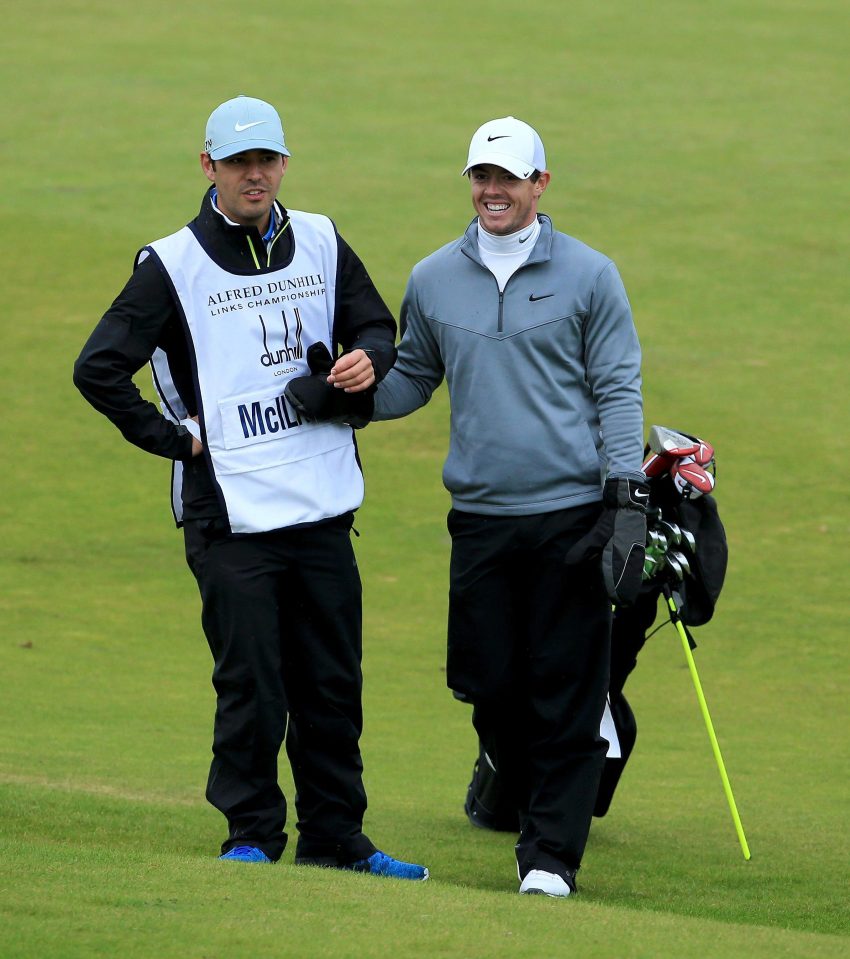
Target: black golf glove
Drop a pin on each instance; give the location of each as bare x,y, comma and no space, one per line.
317,400
619,538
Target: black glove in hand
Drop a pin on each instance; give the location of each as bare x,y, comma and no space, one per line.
317,400
619,537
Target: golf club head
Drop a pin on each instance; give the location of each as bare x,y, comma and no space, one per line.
663,440
689,540
674,566
657,543
671,532
682,561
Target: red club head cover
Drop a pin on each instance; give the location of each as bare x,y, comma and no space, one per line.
691,479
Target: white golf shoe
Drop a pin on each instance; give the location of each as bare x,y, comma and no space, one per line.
540,883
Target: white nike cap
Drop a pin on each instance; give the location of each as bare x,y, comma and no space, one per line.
244,124
508,143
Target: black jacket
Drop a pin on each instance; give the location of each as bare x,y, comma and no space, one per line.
145,316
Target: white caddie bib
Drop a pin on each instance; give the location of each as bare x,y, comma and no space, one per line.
249,336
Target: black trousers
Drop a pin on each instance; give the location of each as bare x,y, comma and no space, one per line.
282,616
529,647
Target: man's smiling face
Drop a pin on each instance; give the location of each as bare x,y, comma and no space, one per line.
503,202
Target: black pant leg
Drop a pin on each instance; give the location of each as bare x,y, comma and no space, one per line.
483,655
529,645
568,635
323,642
237,578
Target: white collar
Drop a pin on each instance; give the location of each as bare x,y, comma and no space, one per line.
520,242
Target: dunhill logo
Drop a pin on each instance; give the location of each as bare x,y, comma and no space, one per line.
293,348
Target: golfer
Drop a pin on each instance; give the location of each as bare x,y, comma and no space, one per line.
533,333
230,310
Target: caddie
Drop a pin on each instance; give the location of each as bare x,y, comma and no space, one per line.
242,314
533,333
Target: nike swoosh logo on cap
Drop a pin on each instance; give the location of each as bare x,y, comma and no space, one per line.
239,127
502,136
533,299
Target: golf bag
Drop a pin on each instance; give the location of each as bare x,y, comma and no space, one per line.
696,574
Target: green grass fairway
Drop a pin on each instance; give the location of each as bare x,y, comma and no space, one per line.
705,147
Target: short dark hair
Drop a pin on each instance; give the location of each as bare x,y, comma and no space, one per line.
535,176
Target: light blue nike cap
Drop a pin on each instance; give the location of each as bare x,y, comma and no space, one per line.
244,123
